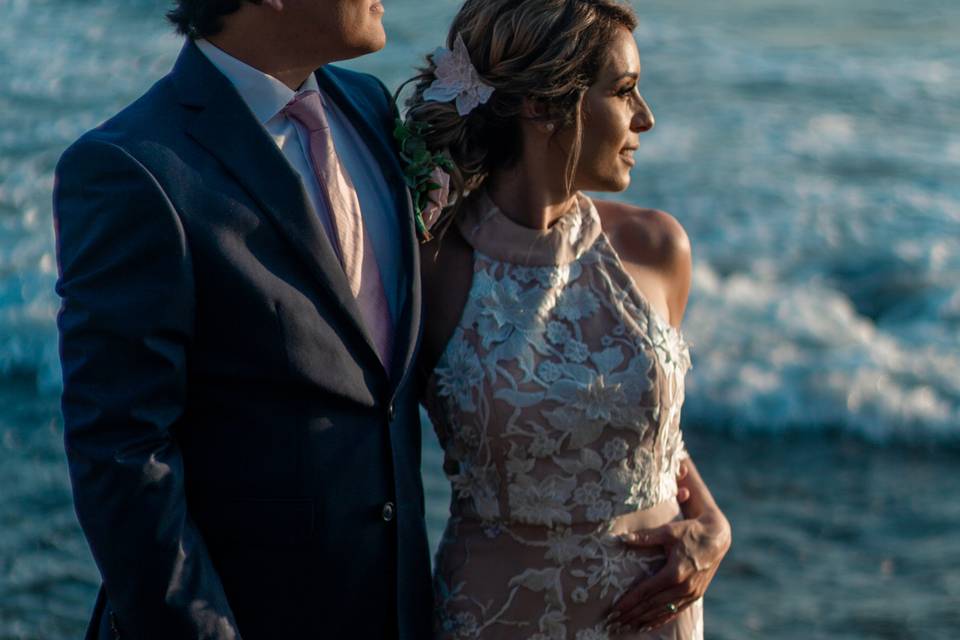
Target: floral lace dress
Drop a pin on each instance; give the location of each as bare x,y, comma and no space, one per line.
557,403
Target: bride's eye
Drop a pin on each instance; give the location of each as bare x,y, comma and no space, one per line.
627,91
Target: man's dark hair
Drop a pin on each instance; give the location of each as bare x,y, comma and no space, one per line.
202,18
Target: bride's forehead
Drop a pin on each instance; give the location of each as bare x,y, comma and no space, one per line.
622,56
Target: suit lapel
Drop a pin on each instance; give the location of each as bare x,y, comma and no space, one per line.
362,117
220,121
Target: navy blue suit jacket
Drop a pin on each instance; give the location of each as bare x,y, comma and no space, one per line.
242,464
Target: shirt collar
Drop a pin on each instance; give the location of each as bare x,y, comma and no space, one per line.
264,94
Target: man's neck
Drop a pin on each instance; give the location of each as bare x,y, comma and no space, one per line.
271,60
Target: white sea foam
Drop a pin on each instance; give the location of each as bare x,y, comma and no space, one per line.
770,356
818,185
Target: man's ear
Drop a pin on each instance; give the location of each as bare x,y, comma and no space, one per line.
276,5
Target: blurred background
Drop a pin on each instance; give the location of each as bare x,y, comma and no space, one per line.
812,151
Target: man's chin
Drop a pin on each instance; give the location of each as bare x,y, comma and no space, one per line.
356,51
379,43
372,43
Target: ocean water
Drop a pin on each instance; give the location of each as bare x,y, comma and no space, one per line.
812,151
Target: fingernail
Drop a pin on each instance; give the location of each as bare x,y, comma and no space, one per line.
613,616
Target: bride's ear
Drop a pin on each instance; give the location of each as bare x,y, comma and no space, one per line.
535,113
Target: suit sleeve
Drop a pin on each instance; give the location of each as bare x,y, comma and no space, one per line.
126,320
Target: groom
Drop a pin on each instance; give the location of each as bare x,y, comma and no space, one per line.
240,317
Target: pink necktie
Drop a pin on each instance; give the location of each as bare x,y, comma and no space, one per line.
355,249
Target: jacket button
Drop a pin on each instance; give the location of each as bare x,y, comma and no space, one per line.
391,411
388,512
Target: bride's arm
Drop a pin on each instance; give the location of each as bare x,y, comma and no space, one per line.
700,500
655,250
695,546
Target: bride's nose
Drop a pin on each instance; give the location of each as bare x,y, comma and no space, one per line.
643,119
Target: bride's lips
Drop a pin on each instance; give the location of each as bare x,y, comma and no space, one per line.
376,7
626,154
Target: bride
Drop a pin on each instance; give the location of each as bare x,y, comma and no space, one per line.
552,360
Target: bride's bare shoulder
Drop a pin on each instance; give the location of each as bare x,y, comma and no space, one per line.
650,237
446,273
654,247
446,262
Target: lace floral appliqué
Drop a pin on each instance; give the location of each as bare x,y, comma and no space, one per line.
557,402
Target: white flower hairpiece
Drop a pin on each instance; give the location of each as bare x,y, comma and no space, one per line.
457,79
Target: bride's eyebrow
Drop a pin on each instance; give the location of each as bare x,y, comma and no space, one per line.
633,75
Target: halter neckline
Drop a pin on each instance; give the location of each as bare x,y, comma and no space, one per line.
488,230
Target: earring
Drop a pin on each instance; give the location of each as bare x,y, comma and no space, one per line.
550,126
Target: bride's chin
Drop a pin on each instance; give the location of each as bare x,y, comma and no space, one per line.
617,184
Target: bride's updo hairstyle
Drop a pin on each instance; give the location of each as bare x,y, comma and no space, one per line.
549,51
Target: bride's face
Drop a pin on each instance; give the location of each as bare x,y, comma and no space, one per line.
614,115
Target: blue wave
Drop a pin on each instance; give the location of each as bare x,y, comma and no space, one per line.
812,157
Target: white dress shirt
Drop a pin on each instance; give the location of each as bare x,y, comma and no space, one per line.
266,97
